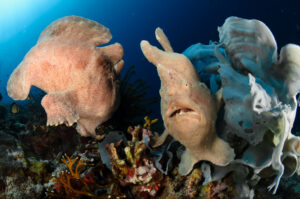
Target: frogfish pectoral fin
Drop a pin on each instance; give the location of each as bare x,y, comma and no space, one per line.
161,139
187,162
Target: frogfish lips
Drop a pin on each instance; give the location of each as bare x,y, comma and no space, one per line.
180,111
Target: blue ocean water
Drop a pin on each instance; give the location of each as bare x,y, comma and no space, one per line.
185,23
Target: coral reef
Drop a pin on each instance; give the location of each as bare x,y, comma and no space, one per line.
26,190
28,156
29,162
188,108
134,164
133,167
79,78
74,184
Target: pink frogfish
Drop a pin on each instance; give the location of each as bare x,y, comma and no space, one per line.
80,79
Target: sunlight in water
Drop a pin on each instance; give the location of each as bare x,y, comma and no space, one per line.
16,15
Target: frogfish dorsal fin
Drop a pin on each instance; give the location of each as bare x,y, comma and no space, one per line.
163,40
76,29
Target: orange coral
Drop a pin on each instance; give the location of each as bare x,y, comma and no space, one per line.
75,185
70,163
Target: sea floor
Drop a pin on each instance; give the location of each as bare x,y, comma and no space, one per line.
38,161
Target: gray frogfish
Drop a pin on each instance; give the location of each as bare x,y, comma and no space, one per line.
80,79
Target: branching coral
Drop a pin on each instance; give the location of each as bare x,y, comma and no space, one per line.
66,177
75,184
132,166
149,122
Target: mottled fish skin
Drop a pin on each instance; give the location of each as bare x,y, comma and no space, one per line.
80,79
188,108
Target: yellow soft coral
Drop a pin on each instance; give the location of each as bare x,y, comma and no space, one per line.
149,122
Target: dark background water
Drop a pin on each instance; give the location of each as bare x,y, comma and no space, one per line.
185,22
